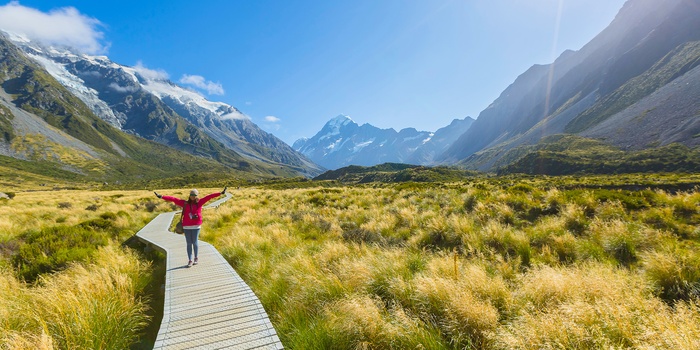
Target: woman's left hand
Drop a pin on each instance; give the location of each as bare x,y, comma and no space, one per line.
224,191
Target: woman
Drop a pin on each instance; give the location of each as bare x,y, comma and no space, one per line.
192,218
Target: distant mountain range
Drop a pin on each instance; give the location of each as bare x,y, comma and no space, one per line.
635,86
137,101
342,142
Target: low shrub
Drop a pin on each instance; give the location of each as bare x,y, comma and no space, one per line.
576,220
631,200
440,240
53,248
358,235
92,207
358,322
108,216
508,242
470,203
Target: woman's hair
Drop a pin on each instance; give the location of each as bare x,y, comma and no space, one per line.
195,193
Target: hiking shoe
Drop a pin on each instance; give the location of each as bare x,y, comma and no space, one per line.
189,264
196,260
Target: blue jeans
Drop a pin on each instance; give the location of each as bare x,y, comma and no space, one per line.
191,237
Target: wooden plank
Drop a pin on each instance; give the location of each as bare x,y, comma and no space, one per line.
207,306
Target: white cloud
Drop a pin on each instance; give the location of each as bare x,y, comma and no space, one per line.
150,74
123,89
235,115
199,82
64,26
271,123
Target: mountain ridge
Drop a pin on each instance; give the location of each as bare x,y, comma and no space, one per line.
139,101
588,88
342,142
45,123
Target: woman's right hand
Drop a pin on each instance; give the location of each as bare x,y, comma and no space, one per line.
158,195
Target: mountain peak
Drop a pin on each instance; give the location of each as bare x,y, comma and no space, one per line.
339,121
334,126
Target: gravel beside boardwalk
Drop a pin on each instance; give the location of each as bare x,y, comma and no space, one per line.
207,306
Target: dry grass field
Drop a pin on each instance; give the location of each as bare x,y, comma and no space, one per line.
490,264
493,263
67,282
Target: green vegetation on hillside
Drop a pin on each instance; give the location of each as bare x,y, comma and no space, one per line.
14,172
569,154
395,172
147,161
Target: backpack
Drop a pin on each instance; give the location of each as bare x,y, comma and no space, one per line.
178,227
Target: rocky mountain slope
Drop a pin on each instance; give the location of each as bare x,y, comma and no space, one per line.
43,122
632,86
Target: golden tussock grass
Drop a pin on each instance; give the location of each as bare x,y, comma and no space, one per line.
360,322
97,302
40,209
494,264
87,306
476,266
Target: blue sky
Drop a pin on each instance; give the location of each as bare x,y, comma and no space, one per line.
291,65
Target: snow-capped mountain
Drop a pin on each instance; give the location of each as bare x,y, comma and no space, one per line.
342,142
144,102
55,133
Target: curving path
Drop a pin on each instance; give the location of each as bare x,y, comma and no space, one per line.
207,306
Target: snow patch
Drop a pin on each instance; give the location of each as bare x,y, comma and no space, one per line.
332,145
334,125
405,139
164,88
339,121
16,37
358,147
77,86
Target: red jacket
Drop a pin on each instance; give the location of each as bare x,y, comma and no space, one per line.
191,213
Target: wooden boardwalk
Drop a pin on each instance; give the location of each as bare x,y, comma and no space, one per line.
207,306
